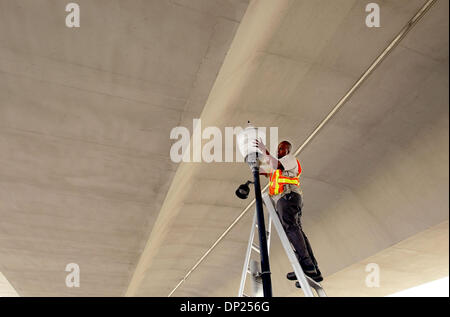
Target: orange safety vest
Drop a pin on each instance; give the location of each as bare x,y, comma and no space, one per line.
277,181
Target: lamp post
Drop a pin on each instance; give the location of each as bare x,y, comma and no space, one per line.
252,154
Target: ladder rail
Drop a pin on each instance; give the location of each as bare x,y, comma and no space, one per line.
321,292
247,258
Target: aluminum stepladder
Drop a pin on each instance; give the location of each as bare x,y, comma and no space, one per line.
306,283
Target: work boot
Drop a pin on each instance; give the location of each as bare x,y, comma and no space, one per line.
291,276
316,277
309,269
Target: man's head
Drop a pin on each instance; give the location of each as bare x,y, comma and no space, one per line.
284,148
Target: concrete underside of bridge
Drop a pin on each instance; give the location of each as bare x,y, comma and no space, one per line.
86,113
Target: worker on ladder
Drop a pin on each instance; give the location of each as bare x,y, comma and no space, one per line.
285,191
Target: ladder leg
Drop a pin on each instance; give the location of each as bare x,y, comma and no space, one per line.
247,258
320,292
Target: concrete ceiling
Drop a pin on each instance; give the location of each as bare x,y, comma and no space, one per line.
411,262
6,290
85,116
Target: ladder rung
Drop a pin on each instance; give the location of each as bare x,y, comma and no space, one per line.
255,247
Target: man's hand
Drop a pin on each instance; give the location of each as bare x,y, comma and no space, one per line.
260,145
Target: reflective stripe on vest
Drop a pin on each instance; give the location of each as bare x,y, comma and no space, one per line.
277,181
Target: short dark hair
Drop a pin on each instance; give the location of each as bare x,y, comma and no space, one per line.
288,144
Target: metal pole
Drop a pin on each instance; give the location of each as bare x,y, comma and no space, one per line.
265,267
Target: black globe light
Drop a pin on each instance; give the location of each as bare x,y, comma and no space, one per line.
243,190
